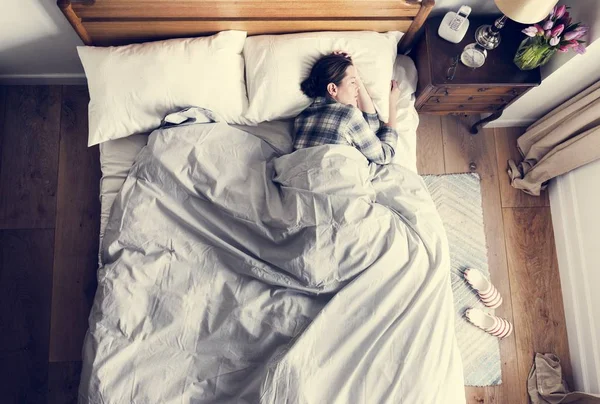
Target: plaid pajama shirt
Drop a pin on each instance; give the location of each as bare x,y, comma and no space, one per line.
327,121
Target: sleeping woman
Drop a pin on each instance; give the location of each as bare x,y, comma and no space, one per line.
343,113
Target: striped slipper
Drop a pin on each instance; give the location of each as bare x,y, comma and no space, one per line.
496,326
488,294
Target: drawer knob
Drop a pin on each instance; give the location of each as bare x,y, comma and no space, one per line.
470,98
461,106
446,92
481,90
514,92
437,100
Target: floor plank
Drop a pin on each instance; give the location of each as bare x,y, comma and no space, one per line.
430,147
63,382
77,228
25,289
463,153
506,149
537,299
29,157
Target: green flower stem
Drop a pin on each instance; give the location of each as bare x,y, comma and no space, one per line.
534,52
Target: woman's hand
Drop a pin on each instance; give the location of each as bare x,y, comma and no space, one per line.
394,94
342,53
394,97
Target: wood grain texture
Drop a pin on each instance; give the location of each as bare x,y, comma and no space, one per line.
539,316
470,107
476,98
408,39
25,291
117,22
430,145
77,229
63,382
265,9
75,21
461,151
124,32
506,149
29,163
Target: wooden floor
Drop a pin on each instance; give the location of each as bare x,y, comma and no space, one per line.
49,220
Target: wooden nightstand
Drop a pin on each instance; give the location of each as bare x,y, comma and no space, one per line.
488,89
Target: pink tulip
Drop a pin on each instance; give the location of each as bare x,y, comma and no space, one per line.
569,45
560,11
548,24
579,49
573,35
540,30
548,34
530,31
582,28
558,30
563,49
554,41
567,19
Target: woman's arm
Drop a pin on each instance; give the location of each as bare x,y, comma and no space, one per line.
365,103
378,147
394,95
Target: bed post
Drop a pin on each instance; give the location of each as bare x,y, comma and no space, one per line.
74,20
407,40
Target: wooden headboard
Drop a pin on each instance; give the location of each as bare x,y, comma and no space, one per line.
119,22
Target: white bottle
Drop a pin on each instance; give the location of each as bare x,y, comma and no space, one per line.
454,25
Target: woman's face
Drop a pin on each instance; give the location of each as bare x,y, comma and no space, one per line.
347,91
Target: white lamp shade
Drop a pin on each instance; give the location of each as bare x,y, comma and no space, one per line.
526,11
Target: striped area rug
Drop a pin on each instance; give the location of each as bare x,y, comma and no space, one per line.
458,200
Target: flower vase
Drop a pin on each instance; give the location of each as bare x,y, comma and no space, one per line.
533,52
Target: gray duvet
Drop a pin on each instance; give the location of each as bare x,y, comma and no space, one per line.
232,274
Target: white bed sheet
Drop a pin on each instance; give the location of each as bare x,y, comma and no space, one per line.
117,156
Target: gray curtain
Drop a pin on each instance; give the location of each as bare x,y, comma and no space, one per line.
566,138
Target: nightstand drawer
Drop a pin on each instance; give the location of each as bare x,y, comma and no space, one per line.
512,91
467,107
461,99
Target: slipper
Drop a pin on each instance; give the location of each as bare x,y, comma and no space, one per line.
488,294
496,326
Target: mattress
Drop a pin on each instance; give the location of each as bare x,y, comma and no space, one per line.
117,156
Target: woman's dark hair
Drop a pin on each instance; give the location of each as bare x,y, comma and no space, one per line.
328,69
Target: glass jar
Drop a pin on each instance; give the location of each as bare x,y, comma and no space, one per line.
534,52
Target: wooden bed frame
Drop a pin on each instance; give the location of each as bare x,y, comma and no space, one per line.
119,22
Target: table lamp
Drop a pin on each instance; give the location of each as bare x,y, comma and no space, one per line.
523,11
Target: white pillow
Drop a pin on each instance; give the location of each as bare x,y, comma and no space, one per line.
133,87
277,64
405,72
